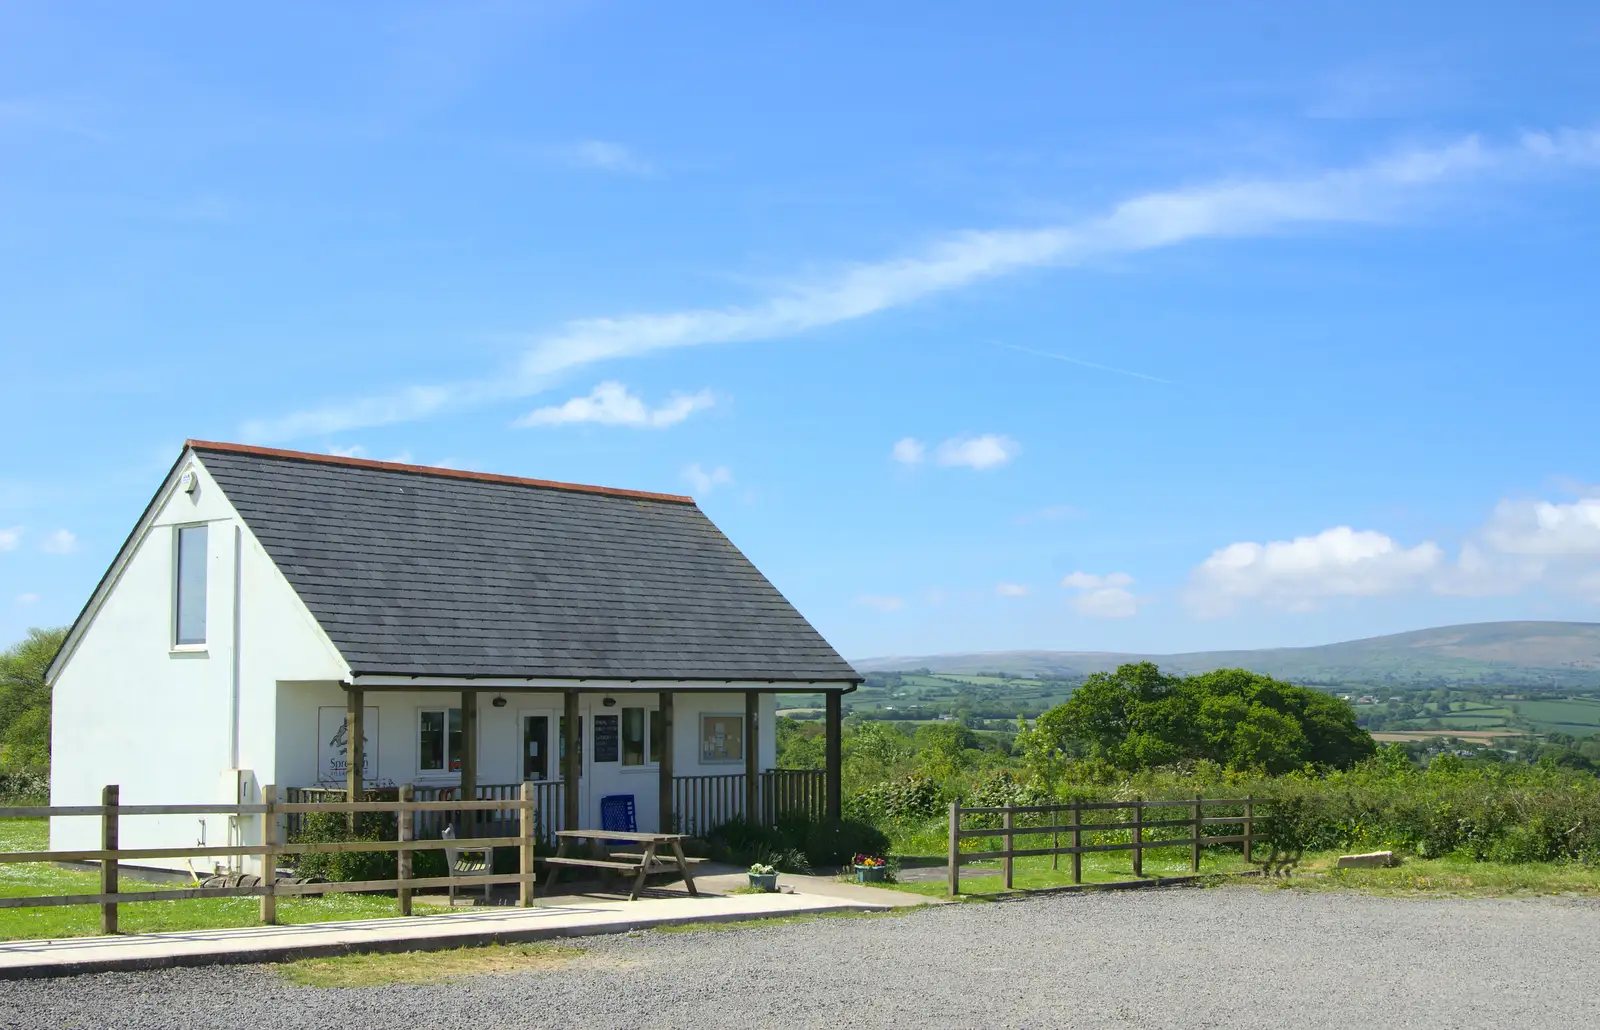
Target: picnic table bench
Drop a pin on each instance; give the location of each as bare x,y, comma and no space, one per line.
640,863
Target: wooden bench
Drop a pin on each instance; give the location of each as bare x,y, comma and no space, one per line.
641,864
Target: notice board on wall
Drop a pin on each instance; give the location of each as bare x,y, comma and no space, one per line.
606,738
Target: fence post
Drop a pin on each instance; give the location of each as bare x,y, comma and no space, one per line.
955,848
525,815
405,830
109,798
1138,836
1077,842
1008,817
269,860
1249,828
1194,861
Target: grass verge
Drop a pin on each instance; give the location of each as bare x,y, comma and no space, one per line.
978,879
1450,876
427,967
22,879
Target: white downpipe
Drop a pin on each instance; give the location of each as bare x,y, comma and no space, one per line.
238,597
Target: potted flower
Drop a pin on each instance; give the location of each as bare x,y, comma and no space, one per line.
871,868
764,877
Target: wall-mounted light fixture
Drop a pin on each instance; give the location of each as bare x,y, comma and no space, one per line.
610,702
499,701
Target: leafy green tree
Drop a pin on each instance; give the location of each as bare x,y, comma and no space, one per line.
800,744
1138,718
25,701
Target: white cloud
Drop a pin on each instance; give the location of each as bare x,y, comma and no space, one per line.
355,450
27,599
977,452
1103,596
882,602
705,481
1379,190
10,538
610,404
908,451
1545,529
600,155
62,541
1011,589
1298,574
1107,603
1054,513
1090,581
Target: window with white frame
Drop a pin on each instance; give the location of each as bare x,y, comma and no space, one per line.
189,587
439,740
721,739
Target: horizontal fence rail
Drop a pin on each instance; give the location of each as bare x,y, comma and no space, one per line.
523,816
1054,821
506,818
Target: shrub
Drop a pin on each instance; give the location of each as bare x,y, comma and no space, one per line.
25,787
834,844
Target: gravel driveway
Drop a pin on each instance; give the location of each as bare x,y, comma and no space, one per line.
1223,957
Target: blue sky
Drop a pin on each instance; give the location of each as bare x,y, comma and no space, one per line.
1191,327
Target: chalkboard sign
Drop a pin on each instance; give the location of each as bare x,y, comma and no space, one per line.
605,738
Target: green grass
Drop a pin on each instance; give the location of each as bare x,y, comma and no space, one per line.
1037,873
1579,716
40,878
427,967
1451,875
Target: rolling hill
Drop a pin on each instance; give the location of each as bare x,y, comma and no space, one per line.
1550,655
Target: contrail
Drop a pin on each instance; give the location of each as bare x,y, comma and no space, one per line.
1080,361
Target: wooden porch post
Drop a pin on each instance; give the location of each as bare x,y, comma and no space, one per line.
571,767
355,745
469,761
665,820
752,758
833,725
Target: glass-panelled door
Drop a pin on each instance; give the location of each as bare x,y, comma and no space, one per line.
536,765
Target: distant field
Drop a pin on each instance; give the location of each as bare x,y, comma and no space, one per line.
1478,735
1578,715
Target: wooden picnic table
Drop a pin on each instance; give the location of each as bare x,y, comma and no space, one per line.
641,864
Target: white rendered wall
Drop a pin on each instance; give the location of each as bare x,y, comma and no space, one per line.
159,721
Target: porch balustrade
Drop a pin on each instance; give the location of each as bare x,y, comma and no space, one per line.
700,803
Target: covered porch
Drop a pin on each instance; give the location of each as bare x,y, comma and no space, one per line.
687,757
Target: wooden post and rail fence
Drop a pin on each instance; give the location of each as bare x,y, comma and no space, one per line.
272,815
1067,819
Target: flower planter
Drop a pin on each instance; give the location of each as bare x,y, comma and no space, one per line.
765,881
871,873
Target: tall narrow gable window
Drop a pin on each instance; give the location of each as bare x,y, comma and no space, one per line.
189,593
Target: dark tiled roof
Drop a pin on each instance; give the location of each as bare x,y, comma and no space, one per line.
416,572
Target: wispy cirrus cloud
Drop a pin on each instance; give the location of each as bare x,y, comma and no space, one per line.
610,404
600,155
10,538
705,480
1378,191
61,541
991,450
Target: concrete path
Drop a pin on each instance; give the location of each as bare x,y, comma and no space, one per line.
564,917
